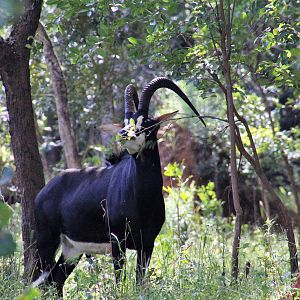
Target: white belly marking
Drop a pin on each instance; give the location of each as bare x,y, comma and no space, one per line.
72,249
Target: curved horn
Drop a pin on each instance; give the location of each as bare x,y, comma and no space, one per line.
131,100
162,82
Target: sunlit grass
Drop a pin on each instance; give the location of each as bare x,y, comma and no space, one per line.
191,260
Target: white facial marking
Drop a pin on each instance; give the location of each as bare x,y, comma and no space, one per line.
139,122
40,280
135,146
127,127
72,249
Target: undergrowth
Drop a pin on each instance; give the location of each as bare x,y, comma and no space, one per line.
191,259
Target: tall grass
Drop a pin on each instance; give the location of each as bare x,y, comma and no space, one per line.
191,260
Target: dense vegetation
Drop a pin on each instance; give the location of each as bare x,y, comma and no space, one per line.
191,259
81,59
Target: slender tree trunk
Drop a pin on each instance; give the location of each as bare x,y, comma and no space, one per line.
234,182
225,31
14,70
29,169
61,100
234,174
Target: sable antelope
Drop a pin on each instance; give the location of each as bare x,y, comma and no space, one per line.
95,210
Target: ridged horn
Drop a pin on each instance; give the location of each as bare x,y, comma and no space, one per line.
162,82
131,100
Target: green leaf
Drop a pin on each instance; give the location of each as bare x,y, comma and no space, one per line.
7,244
30,294
133,41
184,196
52,2
295,51
101,52
169,170
244,15
5,214
167,189
131,122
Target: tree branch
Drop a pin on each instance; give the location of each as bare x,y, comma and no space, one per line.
252,144
216,79
242,150
216,13
223,29
228,30
215,47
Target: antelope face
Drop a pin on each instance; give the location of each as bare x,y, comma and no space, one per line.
140,131
136,132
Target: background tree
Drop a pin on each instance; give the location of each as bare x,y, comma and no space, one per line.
61,100
15,75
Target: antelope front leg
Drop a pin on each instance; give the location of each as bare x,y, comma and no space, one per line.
118,251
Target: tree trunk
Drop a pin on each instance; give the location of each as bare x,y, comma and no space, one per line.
15,74
234,174
29,169
61,100
225,31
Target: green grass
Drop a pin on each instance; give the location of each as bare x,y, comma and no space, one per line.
190,257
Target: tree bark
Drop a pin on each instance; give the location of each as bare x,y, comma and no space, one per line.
61,100
225,31
15,74
233,170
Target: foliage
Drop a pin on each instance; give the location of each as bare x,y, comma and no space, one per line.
209,204
99,43
204,196
103,46
5,153
7,244
191,260
30,294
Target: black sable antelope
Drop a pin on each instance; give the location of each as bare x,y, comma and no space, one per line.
95,210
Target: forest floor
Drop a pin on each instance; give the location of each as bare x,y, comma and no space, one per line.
191,260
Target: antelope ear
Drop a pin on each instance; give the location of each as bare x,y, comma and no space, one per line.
110,128
166,117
